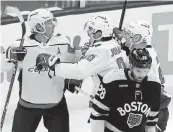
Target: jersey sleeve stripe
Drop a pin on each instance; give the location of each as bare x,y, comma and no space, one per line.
100,110
111,127
97,114
154,120
101,105
152,117
151,123
153,113
98,118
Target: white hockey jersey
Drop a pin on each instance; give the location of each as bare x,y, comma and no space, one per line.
98,60
155,67
39,88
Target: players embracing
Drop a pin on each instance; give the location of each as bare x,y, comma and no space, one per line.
127,99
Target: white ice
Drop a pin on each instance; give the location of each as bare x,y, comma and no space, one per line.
77,104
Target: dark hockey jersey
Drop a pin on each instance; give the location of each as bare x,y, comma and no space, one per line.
126,105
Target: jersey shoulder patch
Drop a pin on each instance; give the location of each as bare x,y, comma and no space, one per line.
114,75
90,57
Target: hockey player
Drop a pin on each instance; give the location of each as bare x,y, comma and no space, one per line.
41,95
102,55
128,100
137,34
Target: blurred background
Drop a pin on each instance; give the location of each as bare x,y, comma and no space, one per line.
70,7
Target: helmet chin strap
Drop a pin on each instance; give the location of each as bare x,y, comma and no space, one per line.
131,44
95,39
45,44
45,36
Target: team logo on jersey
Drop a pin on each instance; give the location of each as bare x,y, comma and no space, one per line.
137,85
134,120
138,95
35,69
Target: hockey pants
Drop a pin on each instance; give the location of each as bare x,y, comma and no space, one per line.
55,119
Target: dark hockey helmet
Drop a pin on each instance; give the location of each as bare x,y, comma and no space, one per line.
140,58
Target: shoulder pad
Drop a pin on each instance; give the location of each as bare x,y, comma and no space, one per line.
114,75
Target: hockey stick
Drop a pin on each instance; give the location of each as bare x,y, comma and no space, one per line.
122,15
16,11
83,92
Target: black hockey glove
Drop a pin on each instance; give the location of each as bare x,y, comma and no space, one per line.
70,84
46,60
14,54
118,33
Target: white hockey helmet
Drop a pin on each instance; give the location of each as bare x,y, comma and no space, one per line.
141,31
99,23
39,16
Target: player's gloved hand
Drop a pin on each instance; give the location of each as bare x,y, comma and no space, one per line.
14,54
70,84
118,33
46,60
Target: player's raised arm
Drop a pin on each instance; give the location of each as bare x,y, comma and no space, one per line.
91,64
102,54
88,66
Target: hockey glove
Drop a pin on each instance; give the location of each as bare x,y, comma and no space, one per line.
70,84
119,35
46,60
14,54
